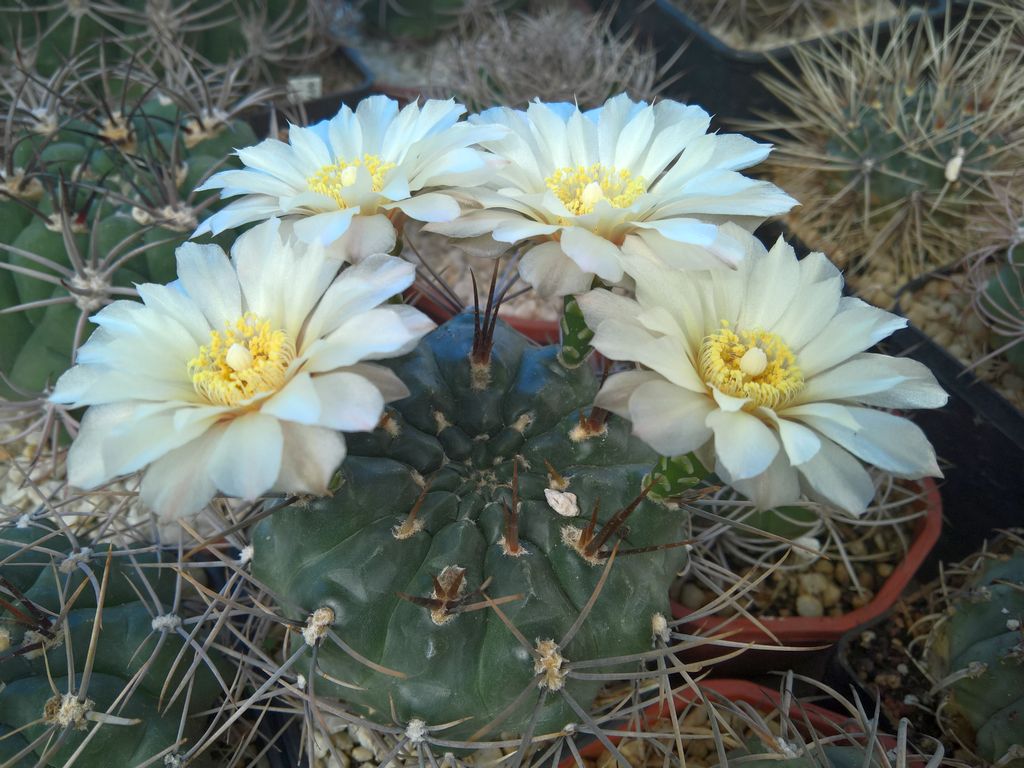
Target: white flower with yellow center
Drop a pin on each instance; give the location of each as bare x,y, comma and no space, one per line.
584,187
240,376
343,180
763,372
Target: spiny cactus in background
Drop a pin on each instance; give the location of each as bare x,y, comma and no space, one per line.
574,57
998,298
976,655
484,542
424,19
753,19
97,657
267,39
891,152
93,204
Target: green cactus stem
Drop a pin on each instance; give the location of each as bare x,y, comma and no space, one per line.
466,540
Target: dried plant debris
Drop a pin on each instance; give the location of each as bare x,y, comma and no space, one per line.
892,151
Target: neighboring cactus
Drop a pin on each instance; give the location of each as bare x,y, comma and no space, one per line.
96,661
574,57
441,555
888,150
268,38
976,656
424,19
751,20
999,302
92,205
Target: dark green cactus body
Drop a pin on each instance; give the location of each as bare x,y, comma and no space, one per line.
38,343
454,440
983,640
127,644
897,170
1002,306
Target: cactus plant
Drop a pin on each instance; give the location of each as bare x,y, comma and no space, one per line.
976,656
95,203
96,660
999,301
574,57
424,19
448,511
751,20
889,150
268,39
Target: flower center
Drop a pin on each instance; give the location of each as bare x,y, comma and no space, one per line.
332,180
752,364
581,188
244,360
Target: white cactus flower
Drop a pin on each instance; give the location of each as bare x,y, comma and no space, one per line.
240,376
763,372
584,187
341,182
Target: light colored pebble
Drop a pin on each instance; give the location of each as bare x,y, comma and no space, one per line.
813,583
809,606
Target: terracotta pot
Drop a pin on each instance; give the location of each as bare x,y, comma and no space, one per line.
541,331
810,633
824,721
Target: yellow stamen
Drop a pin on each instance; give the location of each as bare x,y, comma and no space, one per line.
244,360
332,180
581,188
750,364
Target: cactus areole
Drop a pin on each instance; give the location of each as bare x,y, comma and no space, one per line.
440,537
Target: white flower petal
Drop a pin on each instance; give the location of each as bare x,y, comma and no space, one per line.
854,328
619,387
384,379
743,444
350,402
891,442
836,477
366,235
551,272
207,276
359,289
776,486
246,459
592,253
178,485
379,333
879,380
298,401
309,459
431,206
799,443
670,419
324,228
